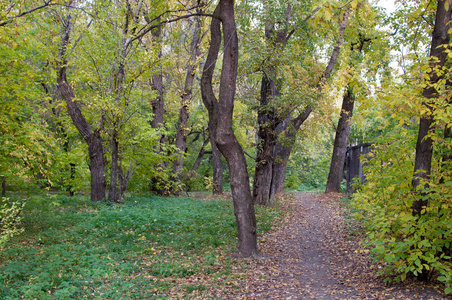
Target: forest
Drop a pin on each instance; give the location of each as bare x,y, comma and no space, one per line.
125,113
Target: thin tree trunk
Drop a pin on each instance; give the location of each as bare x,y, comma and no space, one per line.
181,134
281,153
113,194
124,177
92,138
424,148
198,160
220,117
333,184
158,107
3,186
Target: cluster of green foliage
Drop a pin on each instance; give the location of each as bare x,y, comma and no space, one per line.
9,220
72,248
409,244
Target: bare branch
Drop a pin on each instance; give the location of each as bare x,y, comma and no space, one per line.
9,20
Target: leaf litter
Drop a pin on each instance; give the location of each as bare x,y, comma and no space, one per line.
310,254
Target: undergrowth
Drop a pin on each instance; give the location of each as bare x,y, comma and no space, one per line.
75,249
354,228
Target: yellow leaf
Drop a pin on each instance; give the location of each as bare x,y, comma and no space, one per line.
327,14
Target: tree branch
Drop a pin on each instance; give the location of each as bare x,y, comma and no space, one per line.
9,20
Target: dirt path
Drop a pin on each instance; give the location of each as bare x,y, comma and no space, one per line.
311,256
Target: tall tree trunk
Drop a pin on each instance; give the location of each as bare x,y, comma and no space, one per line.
181,134
267,119
424,148
91,137
158,107
333,184
220,117
266,143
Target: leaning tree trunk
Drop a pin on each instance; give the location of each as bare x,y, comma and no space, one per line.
91,137
424,145
333,184
220,117
288,131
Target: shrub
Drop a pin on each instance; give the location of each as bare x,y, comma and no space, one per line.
407,243
9,220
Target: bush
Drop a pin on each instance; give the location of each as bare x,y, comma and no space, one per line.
407,243
9,220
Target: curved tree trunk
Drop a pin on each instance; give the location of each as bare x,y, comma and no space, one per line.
92,138
220,117
333,184
424,148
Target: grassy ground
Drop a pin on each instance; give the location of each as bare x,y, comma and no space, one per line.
145,248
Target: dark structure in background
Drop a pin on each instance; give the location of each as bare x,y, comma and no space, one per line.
353,163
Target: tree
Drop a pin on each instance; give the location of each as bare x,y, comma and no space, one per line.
291,124
343,127
91,136
220,119
335,174
186,98
286,98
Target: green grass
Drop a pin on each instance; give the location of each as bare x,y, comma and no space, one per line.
74,249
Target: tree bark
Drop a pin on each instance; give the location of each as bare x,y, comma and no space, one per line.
333,184
220,118
267,119
424,145
217,166
113,194
91,137
266,143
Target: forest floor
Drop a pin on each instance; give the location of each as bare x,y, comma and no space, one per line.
316,253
